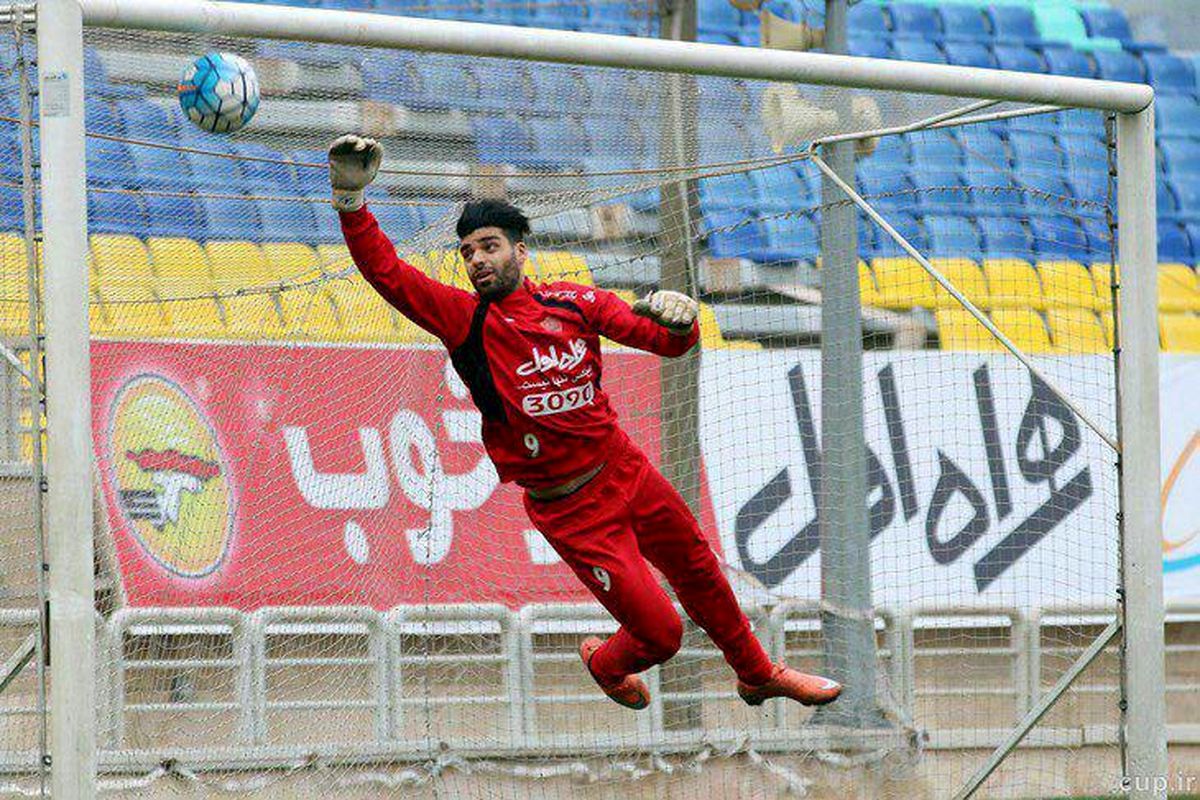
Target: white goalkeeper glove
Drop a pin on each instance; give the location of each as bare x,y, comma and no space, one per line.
353,162
672,310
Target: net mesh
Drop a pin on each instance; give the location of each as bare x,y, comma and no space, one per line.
313,581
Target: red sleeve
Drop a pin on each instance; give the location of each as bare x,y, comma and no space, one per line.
445,311
612,317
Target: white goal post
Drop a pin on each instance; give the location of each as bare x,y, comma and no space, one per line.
60,26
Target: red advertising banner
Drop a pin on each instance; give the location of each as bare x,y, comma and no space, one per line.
246,475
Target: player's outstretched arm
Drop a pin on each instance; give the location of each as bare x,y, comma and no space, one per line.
663,322
444,311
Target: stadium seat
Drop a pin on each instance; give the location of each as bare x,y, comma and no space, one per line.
1187,194
1017,57
953,237
175,216
1170,74
444,84
502,84
232,218
398,221
1013,282
1013,23
1177,116
1181,156
733,234
109,162
918,50
364,315
1068,61
559,138
253,316
183,280
788,239
559,88
959,330
266,171
1173,243
867,19
961,21
781,189
550,266
500,140
1180,332
157,168
1034,152
902,283
1068,284
978,143
1059,23
1046,193
941,192
115,211
1076,330
727,192
310,313
1005,237
179,259
868,292
291,220
122,262
966,276
886,186
1178,289
1024,327
969,54
239,266
1109,23
718,16
915,20
907,226
294,261
935,150
1058,238
870,47
1118,65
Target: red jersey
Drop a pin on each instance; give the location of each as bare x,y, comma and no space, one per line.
531,360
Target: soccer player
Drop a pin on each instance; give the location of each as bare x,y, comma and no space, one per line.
530,355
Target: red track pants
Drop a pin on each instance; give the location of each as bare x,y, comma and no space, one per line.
603,531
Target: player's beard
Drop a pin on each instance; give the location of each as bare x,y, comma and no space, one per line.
507,279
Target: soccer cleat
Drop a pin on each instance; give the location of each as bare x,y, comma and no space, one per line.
810,690
631,692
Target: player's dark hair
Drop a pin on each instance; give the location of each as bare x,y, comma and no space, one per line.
493,214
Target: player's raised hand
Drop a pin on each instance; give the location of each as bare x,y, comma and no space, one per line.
353,162
673,310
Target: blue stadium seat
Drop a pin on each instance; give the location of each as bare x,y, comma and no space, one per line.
101,117
718,16
727,192
1034,151
569,15
1177,115
726,143
788,239
890,150
444,84
1068,61
158,168
1013,24
618,18
1166,201
96,80
963,22
147,121
557,88
1018,57
914,20
907,226
1108,23
232,218
559,138
387,77
400,222
885,187
781,189
1187,192
1099,237
311,181
266,171
293,220
116,212
506,11
109,162
1005,237
1036,123
175,216
500,140
11,209
969,54
940,191
1182,156
216,173
871,47
918,50
1173,243
1169,74
866,19
1118,65
1083,153
1081,120
609,91
1193,232
502,84
980,143
733,234
934,149
724,95
953,237
1044,193
1058,238
641,200
992,190
1092,187
612,136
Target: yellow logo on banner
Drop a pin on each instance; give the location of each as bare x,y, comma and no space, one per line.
170,476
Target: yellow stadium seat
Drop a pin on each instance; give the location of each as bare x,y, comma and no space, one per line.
868,292
179,262
1013,283
1102,278
1024,327
548,266
254,316
310,314
239,266
121,266
1067,284
365,316
1077,330
12,255
902,283
1178,290
959,330
334,258
184,282
445,266
14,293
125,319
965,276
1180,332
291,261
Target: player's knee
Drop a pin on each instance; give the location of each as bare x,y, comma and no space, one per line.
668,638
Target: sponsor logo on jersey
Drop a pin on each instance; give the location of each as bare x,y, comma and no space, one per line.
555,359
169,476
558,402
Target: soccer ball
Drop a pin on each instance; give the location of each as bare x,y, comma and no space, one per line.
219,92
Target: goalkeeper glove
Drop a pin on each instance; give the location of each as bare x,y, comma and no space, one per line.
673,310
353,162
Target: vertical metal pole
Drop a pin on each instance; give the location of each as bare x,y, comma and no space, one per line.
69,402
847,623
1137,412
680,376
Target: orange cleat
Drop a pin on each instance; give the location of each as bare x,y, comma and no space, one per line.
810,690
631,692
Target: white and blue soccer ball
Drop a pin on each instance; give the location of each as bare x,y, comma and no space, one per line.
219,92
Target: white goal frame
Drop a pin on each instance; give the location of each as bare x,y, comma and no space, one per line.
60,26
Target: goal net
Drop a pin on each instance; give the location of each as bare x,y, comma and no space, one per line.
309,579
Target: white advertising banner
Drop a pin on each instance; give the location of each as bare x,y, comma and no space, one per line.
983,488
